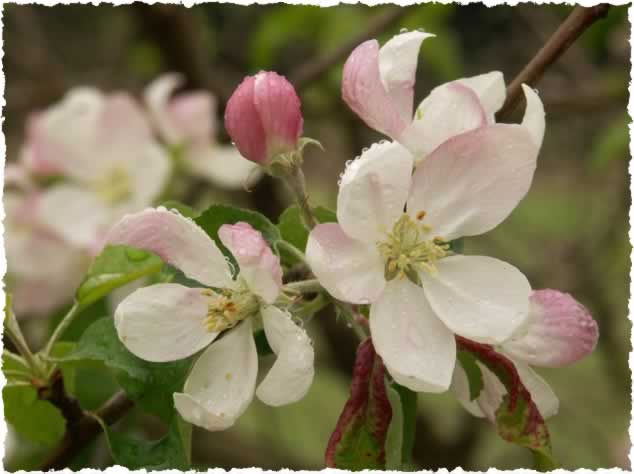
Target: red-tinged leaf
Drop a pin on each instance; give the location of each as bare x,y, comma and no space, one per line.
518,419
358,441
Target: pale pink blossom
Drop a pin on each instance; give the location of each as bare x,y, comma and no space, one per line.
400,262
378,85
165,322
43,271
103,146
263,117
187,123
559,331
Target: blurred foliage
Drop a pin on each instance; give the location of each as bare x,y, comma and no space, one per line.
569,233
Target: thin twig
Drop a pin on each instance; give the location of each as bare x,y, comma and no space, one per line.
572,27
80,432
312,70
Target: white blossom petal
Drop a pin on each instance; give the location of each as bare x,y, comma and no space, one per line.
223,166
480,298
490,89
157,96
493,391
534,117
460,389
472,182
541,393
221,384
148,167
164,322
449,110
373,191
74,214
349,269
292,373
417,348
178,241
398,59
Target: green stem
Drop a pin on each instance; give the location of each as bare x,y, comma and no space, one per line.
306,286
290,248
306,311
348,315
297,183
61,328
14,333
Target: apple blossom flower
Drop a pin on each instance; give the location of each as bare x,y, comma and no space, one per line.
104,148
166,322
559,331
263,117
187,123
421,293
43,271
378,85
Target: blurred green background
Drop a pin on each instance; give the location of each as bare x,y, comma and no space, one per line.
570,233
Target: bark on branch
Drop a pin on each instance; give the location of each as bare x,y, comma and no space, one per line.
578,21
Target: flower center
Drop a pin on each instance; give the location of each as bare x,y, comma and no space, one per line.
226,308
408,250
115,186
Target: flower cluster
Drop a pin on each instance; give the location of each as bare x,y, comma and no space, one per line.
166,322
92,158
451,171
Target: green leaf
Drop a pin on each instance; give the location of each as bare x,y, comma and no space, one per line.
611,143
518,419
474,374
37,420
116,266
399,441
151,385
293,230
217,215
358,441
172,451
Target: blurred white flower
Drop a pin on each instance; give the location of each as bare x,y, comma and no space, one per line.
187,123
43,271
103,147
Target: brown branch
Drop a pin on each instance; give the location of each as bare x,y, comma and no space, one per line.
81,431
579,20
312,70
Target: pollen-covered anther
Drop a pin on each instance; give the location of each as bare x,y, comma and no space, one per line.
407,251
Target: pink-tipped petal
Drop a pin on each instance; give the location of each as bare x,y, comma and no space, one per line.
243,123
279,107
177,240
259,267
398,59
364,91
560,331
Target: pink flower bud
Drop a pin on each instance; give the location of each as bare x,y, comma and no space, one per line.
263,117
560,331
